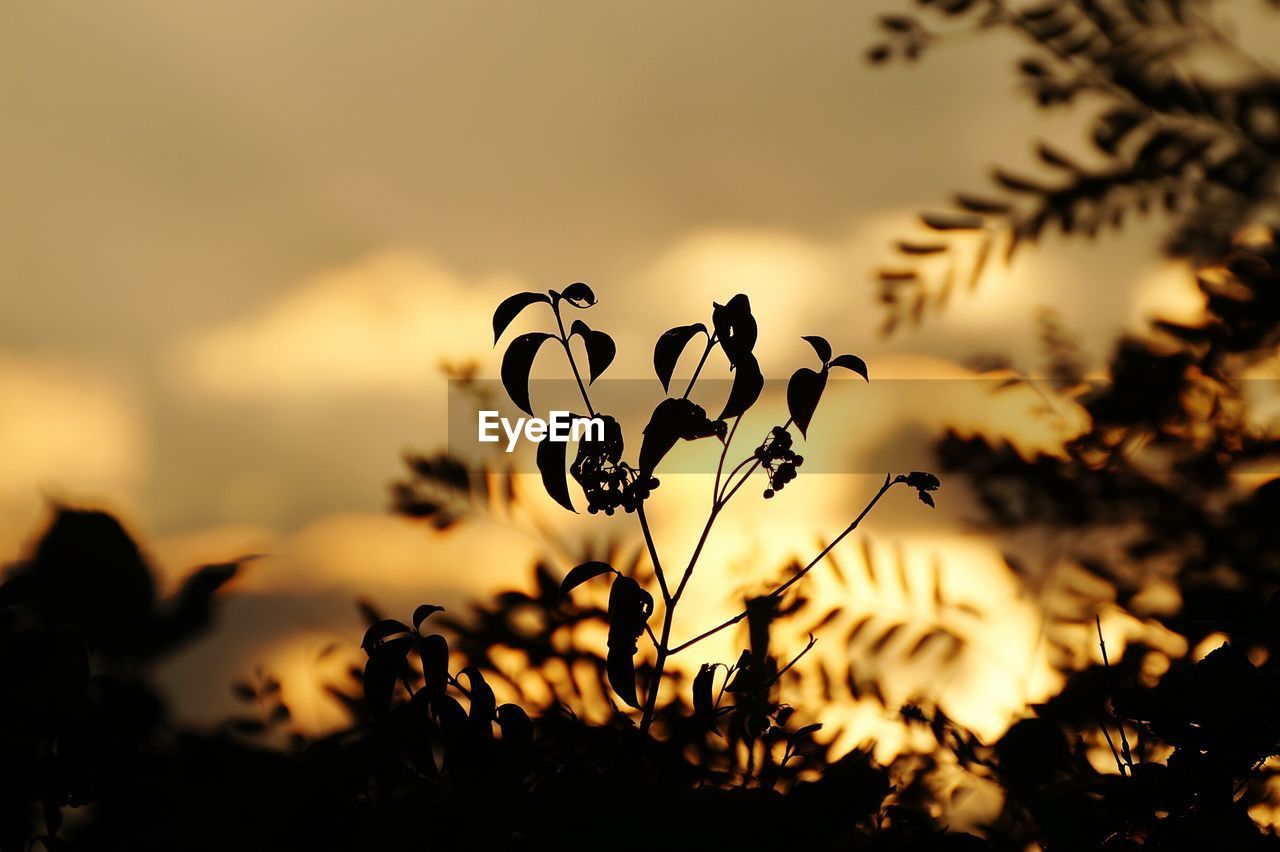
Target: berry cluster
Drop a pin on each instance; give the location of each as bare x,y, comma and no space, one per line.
778,460
609,485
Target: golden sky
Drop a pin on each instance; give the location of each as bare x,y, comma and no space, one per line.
237,238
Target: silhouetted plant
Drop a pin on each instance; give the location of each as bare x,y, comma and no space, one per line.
1168,133
609,481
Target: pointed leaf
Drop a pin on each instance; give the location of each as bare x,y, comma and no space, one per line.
951,222
803,392
600,348
377,634
735,328
621,669
672,420
516,364
552,457
423,612
434,651
583,573
852,362
511,307
748,382
821,346
702,685
579,295
670,346
483,703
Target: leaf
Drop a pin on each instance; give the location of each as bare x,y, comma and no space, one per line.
552,457
600,348
1056,158
982,206
1013,183
379,682
702,684
803,392
377,634
621,669
921,248
483,703
672,420
807,731
434,651
852,362
579,295
669,348
629,609
516,727
951,222
735,328
748,382
510,308
821,346
423,612
582,573
516,364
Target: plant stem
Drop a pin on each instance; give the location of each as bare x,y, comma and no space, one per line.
564,341
653,552
750,470
711,344
889,482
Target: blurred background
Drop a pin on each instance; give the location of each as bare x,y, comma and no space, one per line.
240,242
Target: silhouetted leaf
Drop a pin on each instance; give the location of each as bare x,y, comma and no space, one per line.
629,609
748,382
582,573
483,703
516,727
671,421
735,328
921,248
803,392
821,346
600,348
511,307
552,457
951,221
378,633
667,351
702,684
434,651
423,612
579,295
851,362
516,364
982,206
621,669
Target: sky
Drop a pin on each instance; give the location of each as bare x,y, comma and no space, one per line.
238,239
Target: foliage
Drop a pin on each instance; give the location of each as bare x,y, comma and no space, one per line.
1182,121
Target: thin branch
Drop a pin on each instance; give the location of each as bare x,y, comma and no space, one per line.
711,344
794,660
653,552
564,341
889,482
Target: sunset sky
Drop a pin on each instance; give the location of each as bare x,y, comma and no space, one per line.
237,240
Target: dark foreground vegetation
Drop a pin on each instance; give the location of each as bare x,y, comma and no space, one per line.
1151,497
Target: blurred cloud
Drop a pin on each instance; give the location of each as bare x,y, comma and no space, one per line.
68,430
380,324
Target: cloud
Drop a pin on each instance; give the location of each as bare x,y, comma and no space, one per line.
381,324
67,431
